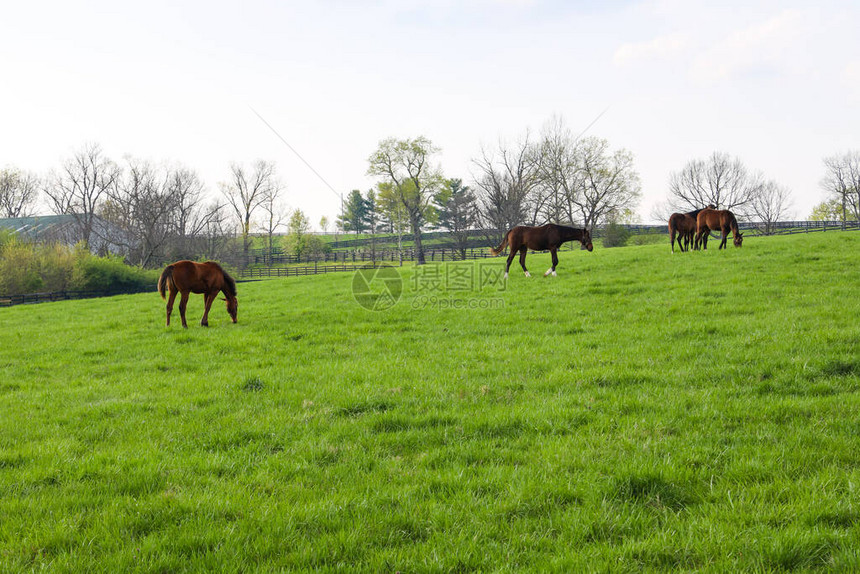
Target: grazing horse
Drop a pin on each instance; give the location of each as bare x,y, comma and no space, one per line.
549,236
189,277
717,219
684,225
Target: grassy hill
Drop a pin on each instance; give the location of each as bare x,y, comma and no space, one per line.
641,411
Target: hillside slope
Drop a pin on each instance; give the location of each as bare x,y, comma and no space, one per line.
642,410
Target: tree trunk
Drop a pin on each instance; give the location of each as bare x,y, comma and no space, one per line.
419,248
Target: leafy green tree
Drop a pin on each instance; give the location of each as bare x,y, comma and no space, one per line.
831,210
298,229
354,216
391,211
299,240
457,210
406,165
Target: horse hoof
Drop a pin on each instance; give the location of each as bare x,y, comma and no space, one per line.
528,274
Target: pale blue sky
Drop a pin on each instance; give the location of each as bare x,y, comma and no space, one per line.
776,83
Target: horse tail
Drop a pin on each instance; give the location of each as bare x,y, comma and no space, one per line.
166,276
501,247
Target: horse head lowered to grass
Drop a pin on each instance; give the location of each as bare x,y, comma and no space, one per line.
208,278
721,220
549,236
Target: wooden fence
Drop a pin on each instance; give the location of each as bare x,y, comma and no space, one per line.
261,272
9,300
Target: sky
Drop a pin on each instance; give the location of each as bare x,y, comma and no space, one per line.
776,84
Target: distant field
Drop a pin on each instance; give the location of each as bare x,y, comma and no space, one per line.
641,411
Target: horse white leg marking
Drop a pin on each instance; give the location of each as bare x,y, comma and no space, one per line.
528,274
548,271
553,274
506,274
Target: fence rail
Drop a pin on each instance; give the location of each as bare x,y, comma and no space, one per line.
378,255
9,300
260,272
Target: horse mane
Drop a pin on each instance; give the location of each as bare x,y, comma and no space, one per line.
733,221
574,232
229,282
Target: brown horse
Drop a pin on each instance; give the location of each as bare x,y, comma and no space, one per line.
717,219
684,225
189,277
549,236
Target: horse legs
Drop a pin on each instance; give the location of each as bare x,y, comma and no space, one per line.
170,298
725,235
554,263
508,265
523,251
672,240
208,298
183,303
702,237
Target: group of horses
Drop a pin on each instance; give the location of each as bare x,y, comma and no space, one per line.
210,279
694,227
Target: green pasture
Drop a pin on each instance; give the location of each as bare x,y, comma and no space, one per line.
642,411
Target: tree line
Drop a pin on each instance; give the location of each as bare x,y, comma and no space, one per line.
152,212
557,177
554,177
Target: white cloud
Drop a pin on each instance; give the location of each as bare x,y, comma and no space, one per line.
658,48
851,78
779,44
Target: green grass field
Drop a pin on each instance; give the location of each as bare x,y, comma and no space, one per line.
642,411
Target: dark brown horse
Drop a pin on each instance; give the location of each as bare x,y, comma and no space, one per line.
721,220
189,277
684,225
549,236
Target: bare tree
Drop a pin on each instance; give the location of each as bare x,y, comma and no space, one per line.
505,184
246,192
187,190
661,211
609,183
144,207
559,173
406,165
842,180
214,229
18,192
81,185
275,214
771,204
720,180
